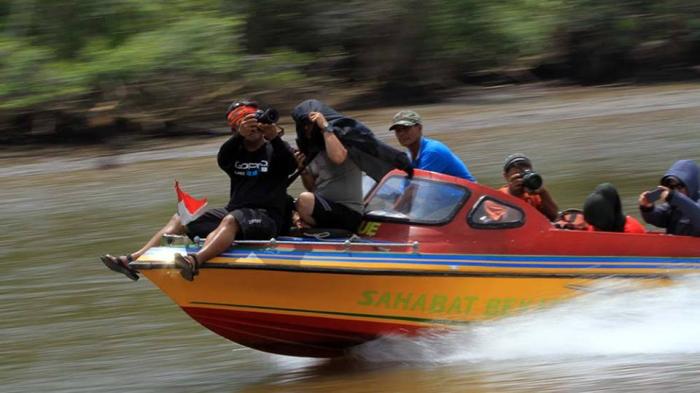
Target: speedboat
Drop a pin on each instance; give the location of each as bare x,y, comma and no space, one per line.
430,255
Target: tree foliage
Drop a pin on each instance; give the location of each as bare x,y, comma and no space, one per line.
54,51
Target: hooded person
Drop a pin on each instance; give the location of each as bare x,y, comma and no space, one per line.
602,210
679,211
372,156
334,150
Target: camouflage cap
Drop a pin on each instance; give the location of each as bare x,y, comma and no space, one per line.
406,118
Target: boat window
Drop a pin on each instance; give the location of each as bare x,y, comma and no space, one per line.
490,213
419,201
367,185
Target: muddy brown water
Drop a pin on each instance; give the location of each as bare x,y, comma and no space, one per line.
69,325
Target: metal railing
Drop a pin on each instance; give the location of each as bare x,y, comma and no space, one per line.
273,242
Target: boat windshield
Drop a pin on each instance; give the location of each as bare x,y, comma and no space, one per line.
419,201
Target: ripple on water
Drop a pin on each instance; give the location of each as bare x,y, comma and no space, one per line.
70,325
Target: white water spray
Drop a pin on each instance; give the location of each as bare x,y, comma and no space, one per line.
615,319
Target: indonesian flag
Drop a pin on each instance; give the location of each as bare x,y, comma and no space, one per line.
188,207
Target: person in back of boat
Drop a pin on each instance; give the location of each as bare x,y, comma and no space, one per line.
602,210
678,209
258,163
426,153
333,182
526,184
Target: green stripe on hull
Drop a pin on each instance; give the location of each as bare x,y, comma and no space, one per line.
335,313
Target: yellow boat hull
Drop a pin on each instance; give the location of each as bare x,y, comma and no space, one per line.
321,305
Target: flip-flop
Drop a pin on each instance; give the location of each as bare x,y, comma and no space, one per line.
187,265
120,265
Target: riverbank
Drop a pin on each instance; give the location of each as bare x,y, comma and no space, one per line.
505,110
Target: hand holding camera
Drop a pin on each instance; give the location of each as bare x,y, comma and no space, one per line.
267,116
245,117
259,121
528,180
270,131
248,125
648,198
532,181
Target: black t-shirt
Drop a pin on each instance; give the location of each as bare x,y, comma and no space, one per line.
258,178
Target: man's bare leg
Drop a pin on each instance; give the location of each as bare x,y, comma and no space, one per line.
305,207
212,235
120,264
221,240
173,227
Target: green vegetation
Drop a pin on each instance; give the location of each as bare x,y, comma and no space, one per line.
72,55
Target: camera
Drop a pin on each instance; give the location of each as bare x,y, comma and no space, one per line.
267,116
531,180
655,194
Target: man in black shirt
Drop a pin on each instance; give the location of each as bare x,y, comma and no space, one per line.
258,163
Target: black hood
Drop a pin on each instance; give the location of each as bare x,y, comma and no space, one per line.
603,209
372,156
300,114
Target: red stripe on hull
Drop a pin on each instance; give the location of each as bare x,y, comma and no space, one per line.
293,335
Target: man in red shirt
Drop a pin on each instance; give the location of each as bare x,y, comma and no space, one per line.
525,184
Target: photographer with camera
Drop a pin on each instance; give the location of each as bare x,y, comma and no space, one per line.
526,184
257,161
675,204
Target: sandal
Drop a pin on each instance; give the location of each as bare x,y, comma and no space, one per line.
188,266
120,265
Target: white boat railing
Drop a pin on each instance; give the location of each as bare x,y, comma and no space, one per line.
273,242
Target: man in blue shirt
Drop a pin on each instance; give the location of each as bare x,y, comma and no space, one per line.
426,153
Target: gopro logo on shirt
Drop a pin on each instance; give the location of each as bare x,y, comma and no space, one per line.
250,168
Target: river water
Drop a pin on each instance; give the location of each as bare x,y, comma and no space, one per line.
69,325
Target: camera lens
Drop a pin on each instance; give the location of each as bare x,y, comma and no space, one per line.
267,116
532,180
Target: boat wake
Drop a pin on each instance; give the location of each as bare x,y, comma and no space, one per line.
614,319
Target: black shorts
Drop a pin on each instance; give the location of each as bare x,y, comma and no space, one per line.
329,214
255,224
